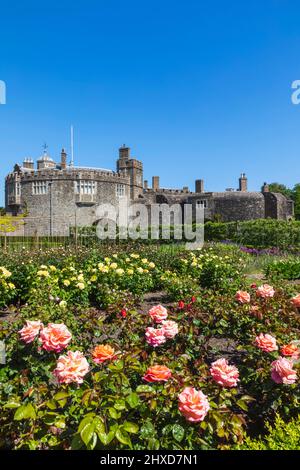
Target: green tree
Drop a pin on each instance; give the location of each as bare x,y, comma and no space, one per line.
281,188
296,199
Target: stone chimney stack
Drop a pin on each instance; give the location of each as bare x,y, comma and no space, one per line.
63,159
124,152
243,183
146,184
28,163
199,186
155,183
265,188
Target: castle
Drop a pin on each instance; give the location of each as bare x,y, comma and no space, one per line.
57,196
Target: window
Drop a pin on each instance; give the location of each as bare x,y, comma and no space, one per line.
39,187
202,203
85,187
120,190
18,189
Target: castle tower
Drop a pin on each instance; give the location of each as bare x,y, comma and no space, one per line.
132,168
199,186
243,183
63,159
155,183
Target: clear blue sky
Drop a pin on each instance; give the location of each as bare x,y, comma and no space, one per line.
198,89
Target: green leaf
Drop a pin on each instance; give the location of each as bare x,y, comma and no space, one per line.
92,442
87,432
51,404
113,413
11,404
147,430
178,432
242,405
153,444
76,442
130,427
133,400
86,420
25,412
120,405
61,398
145,389
123,437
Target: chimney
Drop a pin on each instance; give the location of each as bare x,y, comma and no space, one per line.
63,159
243,183
155,183
124,152
199,186
145,184
265,188
28,163
185,189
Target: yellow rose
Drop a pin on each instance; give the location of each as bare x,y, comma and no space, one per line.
66,282
80,285
43,273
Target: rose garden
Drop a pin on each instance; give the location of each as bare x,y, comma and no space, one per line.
143,346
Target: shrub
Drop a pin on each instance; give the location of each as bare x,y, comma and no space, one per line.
280,436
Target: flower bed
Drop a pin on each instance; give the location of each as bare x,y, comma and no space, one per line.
90,366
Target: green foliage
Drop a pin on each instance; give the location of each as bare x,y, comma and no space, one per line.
256,233
284,269
280,436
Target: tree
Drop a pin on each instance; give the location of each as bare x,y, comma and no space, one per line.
281,188
293,194
296,199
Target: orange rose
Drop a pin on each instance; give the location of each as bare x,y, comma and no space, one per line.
242,297
157,374
296,301
290,350
103,353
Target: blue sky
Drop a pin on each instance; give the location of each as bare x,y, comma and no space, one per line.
197,89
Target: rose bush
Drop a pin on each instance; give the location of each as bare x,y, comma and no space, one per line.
94,374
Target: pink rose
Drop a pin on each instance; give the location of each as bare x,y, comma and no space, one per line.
296,301
242,297
155,336
282,371
169,328
55,337
265,291
71,368
158,313
193,404
266,342
30,331
224,374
